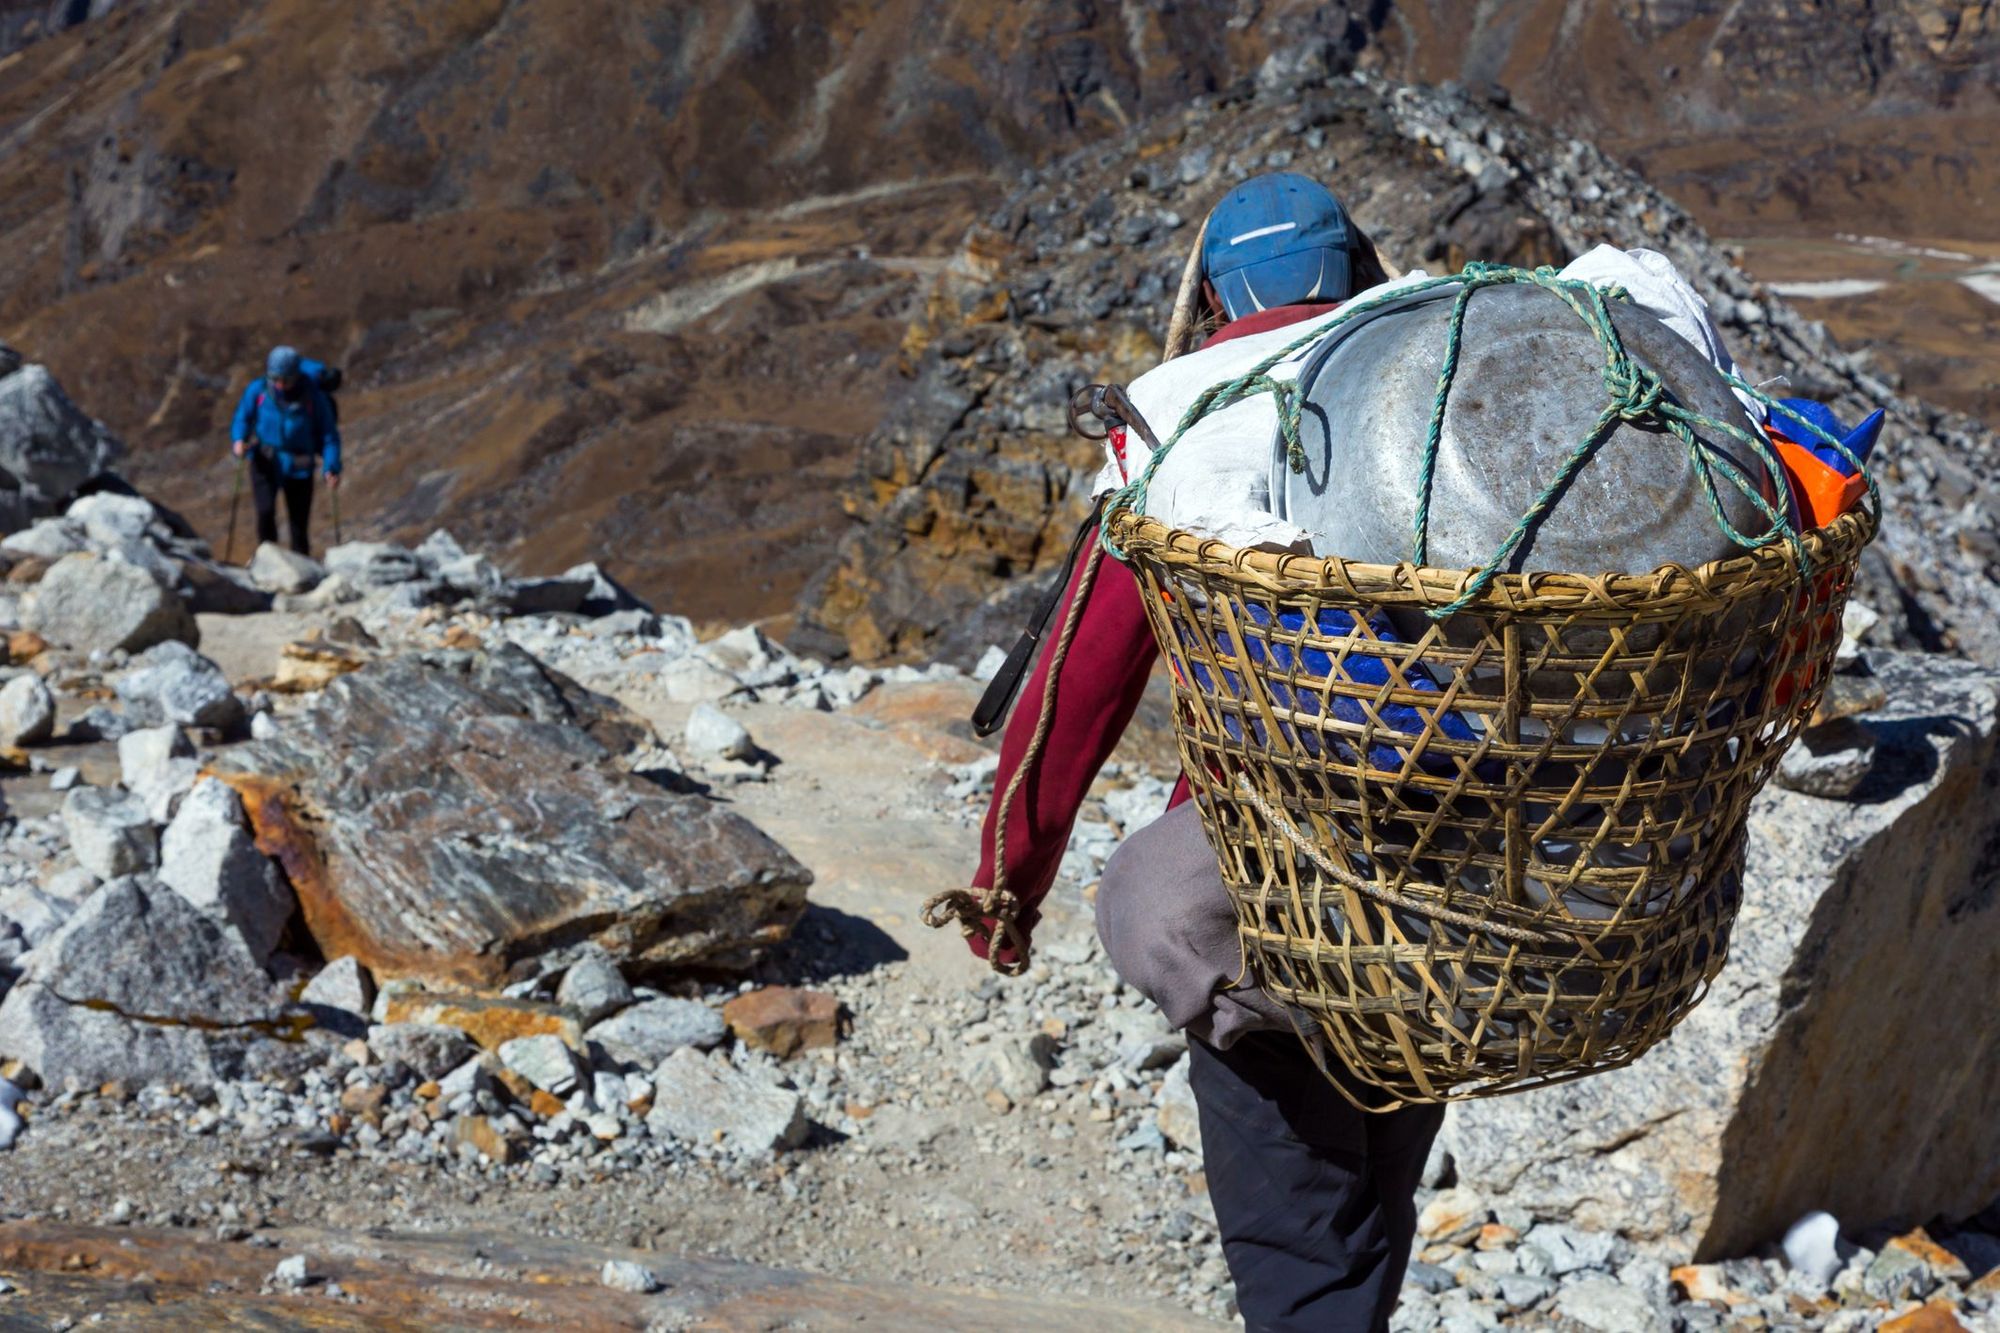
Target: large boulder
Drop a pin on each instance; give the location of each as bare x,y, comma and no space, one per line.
140,985
649,1032
1843,1060
171,682
374,564
278,569
607,595
452,816
94,604
219,589
566,592
50,539
109,519
208,858
159,766
46,441
110,831
27,710
705,1100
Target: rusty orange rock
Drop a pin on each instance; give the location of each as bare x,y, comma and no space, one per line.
1937,1317
488,1020
545,1104
364,1101
1453,1215
478,1131
168,1278
312,664
452,818
24,645
1948,1266
1705,1282
784,1020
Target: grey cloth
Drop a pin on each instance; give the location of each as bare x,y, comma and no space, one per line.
1170,931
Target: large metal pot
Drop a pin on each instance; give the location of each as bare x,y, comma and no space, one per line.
1529,386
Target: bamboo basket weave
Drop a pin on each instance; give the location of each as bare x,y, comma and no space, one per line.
1503,848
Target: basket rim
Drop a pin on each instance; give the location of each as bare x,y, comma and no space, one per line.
1408,584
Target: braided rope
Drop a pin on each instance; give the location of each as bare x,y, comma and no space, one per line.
972,908
1634,393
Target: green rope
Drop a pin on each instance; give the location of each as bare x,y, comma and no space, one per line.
1633,392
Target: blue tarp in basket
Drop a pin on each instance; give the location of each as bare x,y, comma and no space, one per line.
1317,664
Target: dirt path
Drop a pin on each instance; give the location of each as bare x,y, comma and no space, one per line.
913,1180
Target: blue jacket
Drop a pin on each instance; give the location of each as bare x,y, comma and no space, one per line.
296,429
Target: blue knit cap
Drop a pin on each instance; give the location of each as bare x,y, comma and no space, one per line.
282,363
1278,239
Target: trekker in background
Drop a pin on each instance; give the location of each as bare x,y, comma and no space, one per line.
287,427
1314,1199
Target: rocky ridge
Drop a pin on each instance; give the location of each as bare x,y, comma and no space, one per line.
580,321
969,483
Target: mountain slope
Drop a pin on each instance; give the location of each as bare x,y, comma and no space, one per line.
637,278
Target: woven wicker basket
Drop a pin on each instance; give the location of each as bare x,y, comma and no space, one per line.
1498,850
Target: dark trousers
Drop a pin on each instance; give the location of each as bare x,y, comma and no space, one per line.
267,482
1314,1199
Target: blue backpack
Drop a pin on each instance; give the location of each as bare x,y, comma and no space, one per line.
327,378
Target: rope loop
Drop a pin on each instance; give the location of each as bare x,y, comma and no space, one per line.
972,910
1634,393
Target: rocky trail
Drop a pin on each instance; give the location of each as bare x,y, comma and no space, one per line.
139,1277
392,941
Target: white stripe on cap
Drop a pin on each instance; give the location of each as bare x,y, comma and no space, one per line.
1271,230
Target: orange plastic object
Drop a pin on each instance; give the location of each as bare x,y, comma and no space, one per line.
1824,494
1807,641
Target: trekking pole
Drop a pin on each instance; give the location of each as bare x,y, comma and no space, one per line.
336,516
235,495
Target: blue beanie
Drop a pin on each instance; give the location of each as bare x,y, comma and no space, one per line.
282,363
1278,239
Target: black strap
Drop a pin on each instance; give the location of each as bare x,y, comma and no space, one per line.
1107,406
1006,682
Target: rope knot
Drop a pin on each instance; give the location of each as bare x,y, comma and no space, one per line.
1636,390
973,911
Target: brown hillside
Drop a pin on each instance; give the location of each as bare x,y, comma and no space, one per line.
633,279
